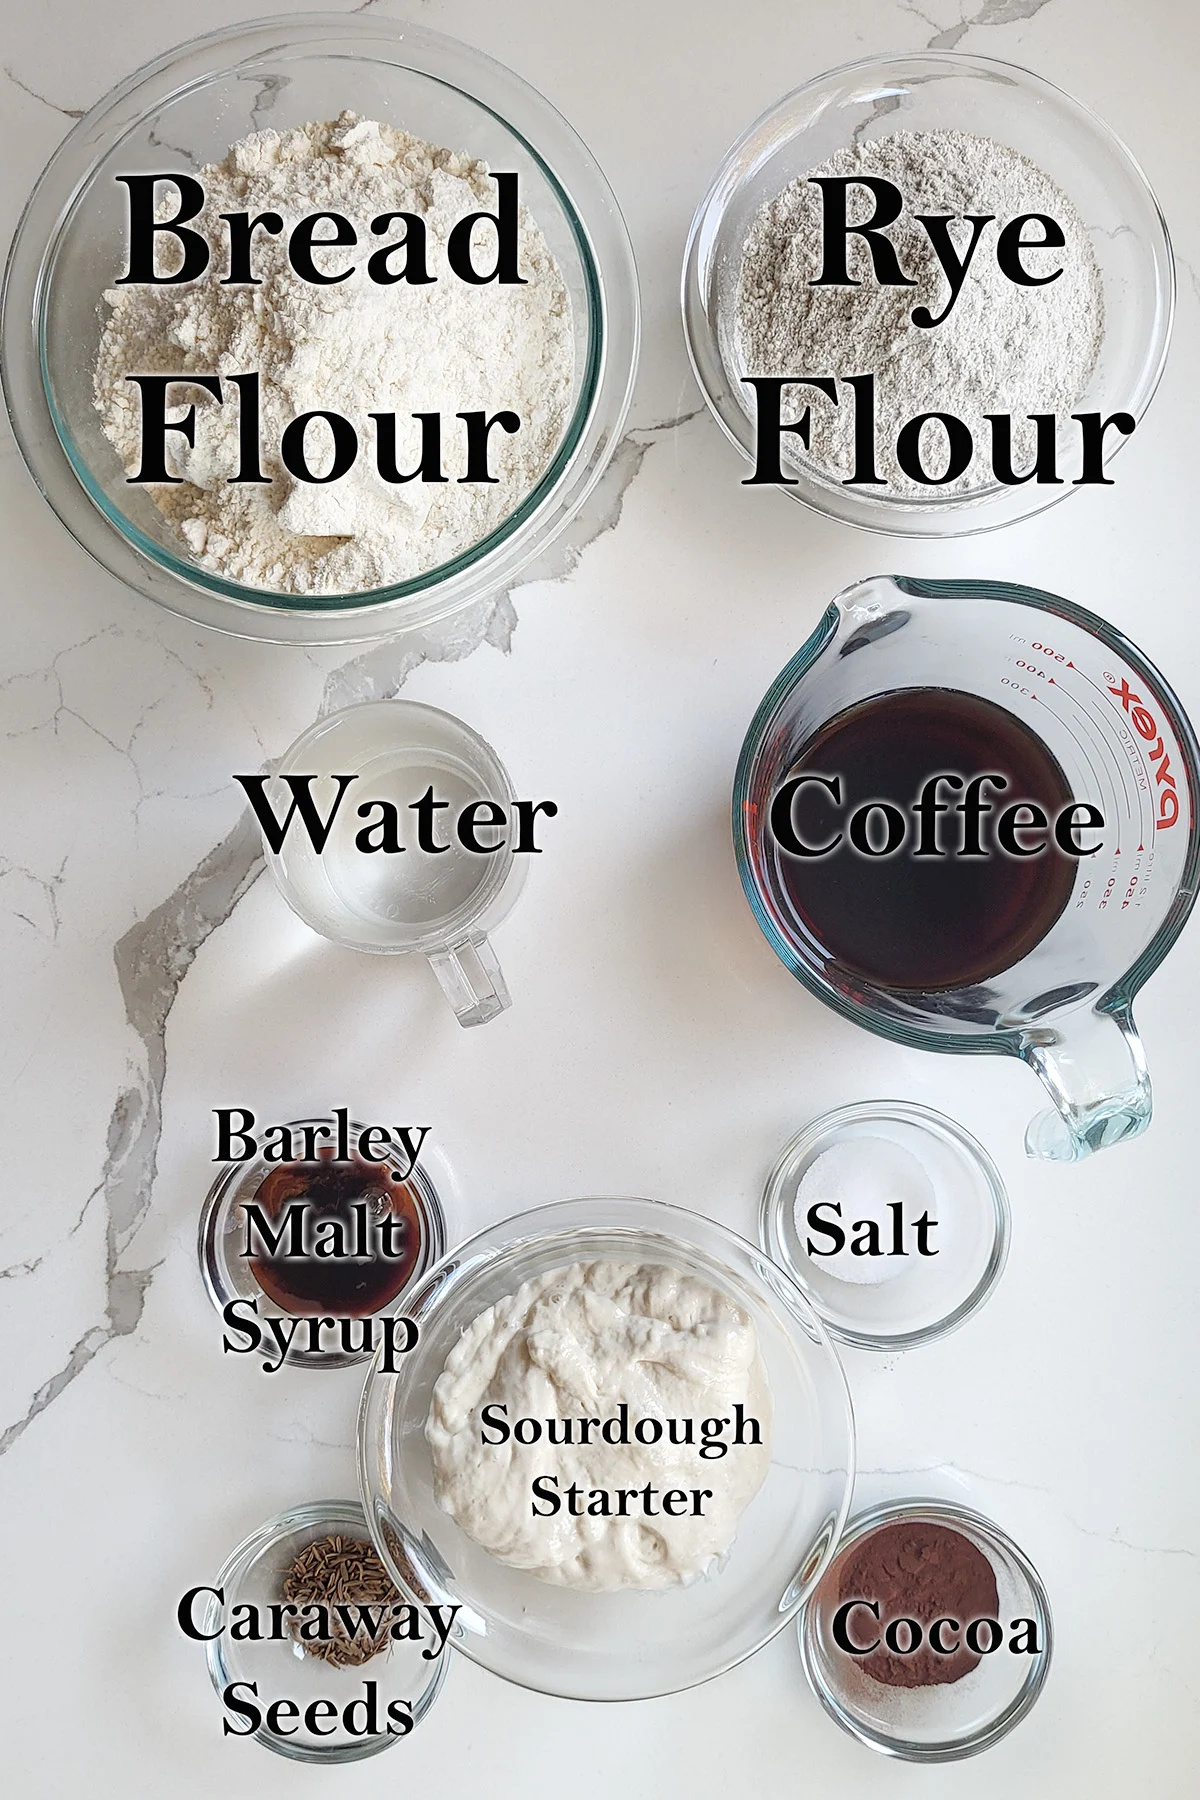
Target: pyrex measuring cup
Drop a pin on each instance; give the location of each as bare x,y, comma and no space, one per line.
441,904
1124,744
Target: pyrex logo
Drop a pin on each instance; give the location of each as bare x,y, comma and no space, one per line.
1146,727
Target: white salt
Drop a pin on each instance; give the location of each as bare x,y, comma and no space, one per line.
864,1176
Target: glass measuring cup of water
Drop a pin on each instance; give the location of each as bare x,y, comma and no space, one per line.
1123,744
441,904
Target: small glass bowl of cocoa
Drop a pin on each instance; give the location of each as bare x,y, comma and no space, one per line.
929,1636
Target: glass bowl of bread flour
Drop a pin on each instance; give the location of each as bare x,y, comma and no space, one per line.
623,1448
1077,322
405,370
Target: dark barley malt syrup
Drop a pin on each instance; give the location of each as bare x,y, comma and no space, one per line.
347,1286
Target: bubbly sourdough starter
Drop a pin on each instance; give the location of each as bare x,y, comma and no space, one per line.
573,1344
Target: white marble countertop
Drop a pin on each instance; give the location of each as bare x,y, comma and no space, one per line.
654,1045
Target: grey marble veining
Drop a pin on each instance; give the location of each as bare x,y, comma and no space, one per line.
154,956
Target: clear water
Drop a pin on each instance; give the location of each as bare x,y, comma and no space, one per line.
411,888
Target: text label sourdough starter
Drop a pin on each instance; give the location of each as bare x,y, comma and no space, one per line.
604,1427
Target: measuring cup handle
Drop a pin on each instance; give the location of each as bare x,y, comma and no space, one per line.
471,979
1095,1070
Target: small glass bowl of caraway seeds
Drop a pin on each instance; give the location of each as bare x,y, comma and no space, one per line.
304,1610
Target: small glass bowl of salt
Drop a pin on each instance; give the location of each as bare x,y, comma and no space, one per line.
892,1219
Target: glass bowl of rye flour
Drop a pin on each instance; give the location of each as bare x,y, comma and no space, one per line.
956,136
537,1602
402,134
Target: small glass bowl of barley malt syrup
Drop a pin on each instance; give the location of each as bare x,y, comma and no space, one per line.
268,1233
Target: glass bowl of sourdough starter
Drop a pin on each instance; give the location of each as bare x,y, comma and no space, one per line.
634,1643
935,91
186,109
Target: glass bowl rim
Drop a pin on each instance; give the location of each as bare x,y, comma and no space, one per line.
899,515
233,1572
953,1514
938,1124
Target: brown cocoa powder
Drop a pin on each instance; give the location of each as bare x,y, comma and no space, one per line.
914,1570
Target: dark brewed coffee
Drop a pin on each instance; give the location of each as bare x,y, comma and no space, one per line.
955,903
